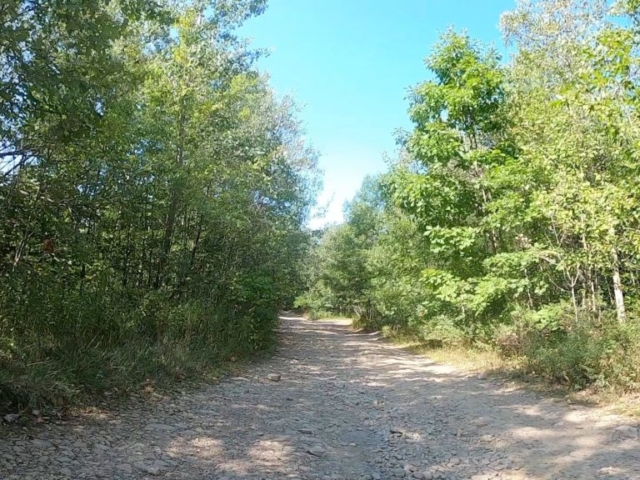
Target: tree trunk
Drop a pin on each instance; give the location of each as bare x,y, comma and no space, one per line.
617,288
174,204
575,303
166,239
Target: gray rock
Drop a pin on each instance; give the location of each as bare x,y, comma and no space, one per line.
39,443
160,426
316,451
398,473
66,472
155,468
479,422
125,467
625,431
11,417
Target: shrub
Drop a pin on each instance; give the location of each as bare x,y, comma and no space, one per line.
598,354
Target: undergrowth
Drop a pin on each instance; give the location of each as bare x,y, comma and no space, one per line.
195,342
592,359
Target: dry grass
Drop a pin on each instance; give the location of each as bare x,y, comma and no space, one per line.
472,360
512,372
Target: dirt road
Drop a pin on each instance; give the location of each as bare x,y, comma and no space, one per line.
347,406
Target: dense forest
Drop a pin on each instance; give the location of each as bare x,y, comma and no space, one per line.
153,195
511,218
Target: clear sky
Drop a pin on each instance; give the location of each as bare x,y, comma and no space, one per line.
349,64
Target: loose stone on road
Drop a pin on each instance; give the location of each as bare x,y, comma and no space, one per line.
333,404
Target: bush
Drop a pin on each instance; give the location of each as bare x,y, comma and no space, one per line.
62,346
601,355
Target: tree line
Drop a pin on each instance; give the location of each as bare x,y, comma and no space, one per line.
153,194
510,219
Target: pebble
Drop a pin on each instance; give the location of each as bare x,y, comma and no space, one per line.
11,417
160,426
38,443
125,467
625,431
316,451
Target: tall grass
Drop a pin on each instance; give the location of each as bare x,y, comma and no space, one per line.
114,343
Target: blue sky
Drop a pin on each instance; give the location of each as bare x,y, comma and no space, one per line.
349,64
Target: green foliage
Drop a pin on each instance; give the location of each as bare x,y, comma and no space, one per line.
511,217
153,194
603,355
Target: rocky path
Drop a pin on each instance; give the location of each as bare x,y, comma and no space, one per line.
347,406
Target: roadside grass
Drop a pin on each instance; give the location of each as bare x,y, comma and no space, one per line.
513,372
70,381
318,315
